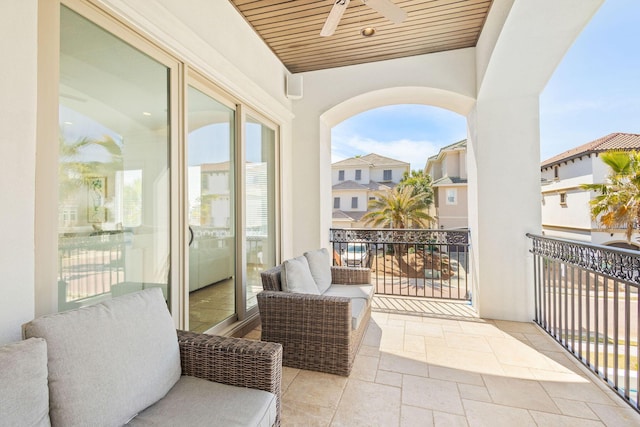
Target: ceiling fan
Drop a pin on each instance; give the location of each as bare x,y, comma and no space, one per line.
386,8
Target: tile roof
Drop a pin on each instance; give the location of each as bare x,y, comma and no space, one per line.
377,186
371,186
613,141
349,216
448,180
459,144
371,159
349,185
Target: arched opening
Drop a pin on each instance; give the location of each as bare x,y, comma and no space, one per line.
414,139
447,100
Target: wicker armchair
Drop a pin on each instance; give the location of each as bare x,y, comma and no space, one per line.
233,361
315,330
146,373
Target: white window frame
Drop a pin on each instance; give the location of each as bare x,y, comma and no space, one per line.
449,192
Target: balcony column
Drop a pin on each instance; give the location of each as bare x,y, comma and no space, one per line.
18,109
518,51
504,195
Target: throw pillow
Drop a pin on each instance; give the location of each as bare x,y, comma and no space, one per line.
296,277
320,266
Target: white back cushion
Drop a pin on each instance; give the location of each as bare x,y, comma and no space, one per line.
296,277
109,361
320,267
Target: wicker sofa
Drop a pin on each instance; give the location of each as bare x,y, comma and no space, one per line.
122,362
318,332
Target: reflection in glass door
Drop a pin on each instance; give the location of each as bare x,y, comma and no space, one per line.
260,201
210,187
113,206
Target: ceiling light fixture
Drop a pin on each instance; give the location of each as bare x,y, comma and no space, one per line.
368,31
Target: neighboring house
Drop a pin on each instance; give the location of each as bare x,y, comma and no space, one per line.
356,180
565,206
448,171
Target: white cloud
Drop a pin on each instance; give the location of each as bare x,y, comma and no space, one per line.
406,150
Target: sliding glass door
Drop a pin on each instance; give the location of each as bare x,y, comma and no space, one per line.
113,166
260,202
211,211
164,180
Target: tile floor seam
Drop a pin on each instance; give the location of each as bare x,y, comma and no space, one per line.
571,416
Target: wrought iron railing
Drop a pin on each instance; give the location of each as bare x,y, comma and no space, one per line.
586,297
408,262
89,265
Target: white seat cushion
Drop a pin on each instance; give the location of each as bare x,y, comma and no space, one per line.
351,291
196,402
360,295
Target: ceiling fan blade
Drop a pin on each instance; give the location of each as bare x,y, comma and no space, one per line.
388,9
330,25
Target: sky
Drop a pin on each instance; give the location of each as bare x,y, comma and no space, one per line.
594,91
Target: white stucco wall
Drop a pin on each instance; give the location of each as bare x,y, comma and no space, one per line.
514,65
445,79
377,174
574,213
18,85
346,196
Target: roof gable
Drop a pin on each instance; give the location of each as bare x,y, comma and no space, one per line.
613,141
370,160
349,185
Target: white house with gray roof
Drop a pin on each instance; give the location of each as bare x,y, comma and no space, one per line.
356,180
565,206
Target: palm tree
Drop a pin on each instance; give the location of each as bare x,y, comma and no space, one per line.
421,184
618,204
73,169
399,208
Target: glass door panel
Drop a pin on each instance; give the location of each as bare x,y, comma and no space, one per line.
260,198
113,207
210,186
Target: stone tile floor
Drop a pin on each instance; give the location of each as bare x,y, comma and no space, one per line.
426,371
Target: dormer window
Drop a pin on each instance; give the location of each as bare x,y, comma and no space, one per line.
386,175
556,172
340,175
358,174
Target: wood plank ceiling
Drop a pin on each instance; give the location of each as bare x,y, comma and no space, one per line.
291,28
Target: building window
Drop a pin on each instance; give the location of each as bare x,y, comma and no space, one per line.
452,196
372,198
386,175
354,203
340,175
336,203
556,173
358,174
563,199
